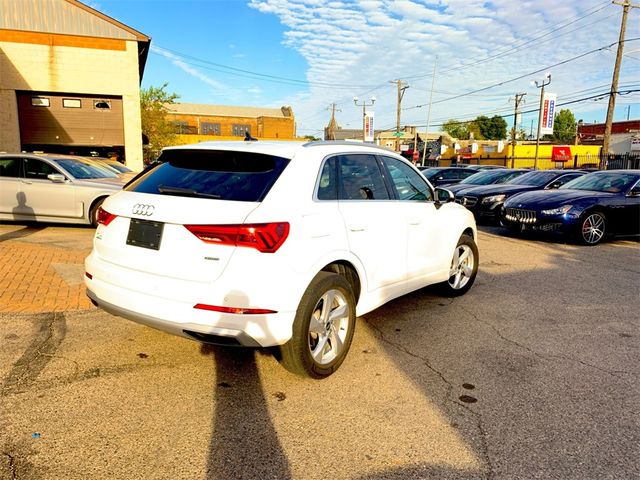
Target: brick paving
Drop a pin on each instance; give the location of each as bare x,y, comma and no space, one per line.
42,268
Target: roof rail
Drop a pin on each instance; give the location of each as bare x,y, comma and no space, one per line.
351,143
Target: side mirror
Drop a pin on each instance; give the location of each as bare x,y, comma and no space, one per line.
443,196
555,185
56,177
634,192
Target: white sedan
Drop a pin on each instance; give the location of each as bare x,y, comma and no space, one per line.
276,244
53,188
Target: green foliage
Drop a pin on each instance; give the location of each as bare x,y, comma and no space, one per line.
564,126
156,127
482,128
311,138
494,128
456,129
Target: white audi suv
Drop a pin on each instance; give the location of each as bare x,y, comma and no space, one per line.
265,244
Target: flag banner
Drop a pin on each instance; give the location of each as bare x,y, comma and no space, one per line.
368,127
547,113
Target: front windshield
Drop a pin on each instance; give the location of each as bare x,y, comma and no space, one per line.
486,177
613,182
84,169
537,179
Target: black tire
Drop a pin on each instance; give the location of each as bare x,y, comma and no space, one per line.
592,228
319,345
93,213
462,272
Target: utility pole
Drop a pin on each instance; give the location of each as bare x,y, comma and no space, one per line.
541,85
401,88
518,100
614,82
331,128
426,133
364,104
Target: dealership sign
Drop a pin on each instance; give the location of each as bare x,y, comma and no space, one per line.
368,127
547,112
561,153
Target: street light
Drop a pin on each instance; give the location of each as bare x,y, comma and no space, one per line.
541,85
364,104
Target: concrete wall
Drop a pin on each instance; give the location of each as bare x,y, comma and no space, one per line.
60,63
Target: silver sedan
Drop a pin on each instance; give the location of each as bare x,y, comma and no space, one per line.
53,188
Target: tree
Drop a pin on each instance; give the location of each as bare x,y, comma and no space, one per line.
564,126
456,129
155,126
494,128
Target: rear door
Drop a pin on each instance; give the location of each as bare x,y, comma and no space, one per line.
375,225
10,198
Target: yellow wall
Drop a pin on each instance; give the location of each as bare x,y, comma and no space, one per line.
525,156
261,127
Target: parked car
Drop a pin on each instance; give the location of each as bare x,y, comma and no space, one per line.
486,201
439,176
588,208
487,167
282,244
117,167
485,177
53,188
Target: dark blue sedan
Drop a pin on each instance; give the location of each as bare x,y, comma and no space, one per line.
589,208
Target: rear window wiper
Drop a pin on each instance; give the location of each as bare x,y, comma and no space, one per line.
186,192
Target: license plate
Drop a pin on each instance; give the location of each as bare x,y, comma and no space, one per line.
145,234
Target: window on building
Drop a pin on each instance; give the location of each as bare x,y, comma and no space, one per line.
71,103
102,105
180,127
39,101
209,128
238,130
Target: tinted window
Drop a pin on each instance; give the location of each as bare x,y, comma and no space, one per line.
240,176
37,168
9,167
565,178
534,178
613,182
84,169
361,178
328,184
408,184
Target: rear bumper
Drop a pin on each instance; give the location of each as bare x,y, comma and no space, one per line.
192,331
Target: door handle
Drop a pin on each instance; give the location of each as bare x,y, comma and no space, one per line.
357,229
415,221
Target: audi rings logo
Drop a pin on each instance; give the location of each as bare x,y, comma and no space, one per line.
142,209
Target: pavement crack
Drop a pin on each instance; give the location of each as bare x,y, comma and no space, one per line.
12,465
50,334
447,397
545,356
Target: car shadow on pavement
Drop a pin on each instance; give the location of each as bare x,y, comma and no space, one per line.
244,442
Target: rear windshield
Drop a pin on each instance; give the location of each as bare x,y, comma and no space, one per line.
225,175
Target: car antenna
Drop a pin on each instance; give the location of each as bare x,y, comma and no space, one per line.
249,138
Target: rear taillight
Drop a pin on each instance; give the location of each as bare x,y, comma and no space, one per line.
265,237
236,310
104,217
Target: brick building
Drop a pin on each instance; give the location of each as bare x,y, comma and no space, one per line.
69,80
622,135
231,122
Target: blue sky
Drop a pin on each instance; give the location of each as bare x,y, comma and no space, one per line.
312,53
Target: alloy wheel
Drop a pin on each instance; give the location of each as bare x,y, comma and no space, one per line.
461,267
593,228
328,327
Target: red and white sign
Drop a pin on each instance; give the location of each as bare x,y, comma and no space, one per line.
547,113
561,154
368,127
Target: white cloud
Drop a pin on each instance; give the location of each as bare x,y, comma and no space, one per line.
369,42
194,72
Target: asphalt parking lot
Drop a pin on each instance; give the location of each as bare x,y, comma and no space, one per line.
532,374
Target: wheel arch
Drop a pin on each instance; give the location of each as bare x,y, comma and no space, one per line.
348,271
